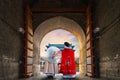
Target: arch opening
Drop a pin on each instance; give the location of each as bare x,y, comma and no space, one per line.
57,38
59,23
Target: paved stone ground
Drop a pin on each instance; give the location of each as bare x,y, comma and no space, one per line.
59,78
50,78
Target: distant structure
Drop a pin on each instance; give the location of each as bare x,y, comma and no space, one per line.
60,46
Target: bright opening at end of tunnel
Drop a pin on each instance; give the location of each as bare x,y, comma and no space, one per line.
59,36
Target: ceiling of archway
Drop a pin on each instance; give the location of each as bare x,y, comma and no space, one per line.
58,23
58,3
38,18
77,17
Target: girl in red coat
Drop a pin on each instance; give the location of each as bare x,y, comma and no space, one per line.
67,66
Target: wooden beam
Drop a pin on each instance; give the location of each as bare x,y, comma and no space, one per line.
58,10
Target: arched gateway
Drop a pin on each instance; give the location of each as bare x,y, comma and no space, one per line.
59,23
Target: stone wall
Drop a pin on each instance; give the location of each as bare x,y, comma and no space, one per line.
11,40
38,18
106,16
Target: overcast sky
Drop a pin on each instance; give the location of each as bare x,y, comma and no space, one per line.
58,36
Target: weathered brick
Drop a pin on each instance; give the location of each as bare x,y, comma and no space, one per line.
107,17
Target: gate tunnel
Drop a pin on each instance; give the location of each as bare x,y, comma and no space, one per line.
59,22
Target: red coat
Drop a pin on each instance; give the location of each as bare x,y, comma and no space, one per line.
68,62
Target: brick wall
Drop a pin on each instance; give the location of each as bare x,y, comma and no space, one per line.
106,15
11,40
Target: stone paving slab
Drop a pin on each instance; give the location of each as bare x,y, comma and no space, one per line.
60,78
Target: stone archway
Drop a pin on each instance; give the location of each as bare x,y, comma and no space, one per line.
59,23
